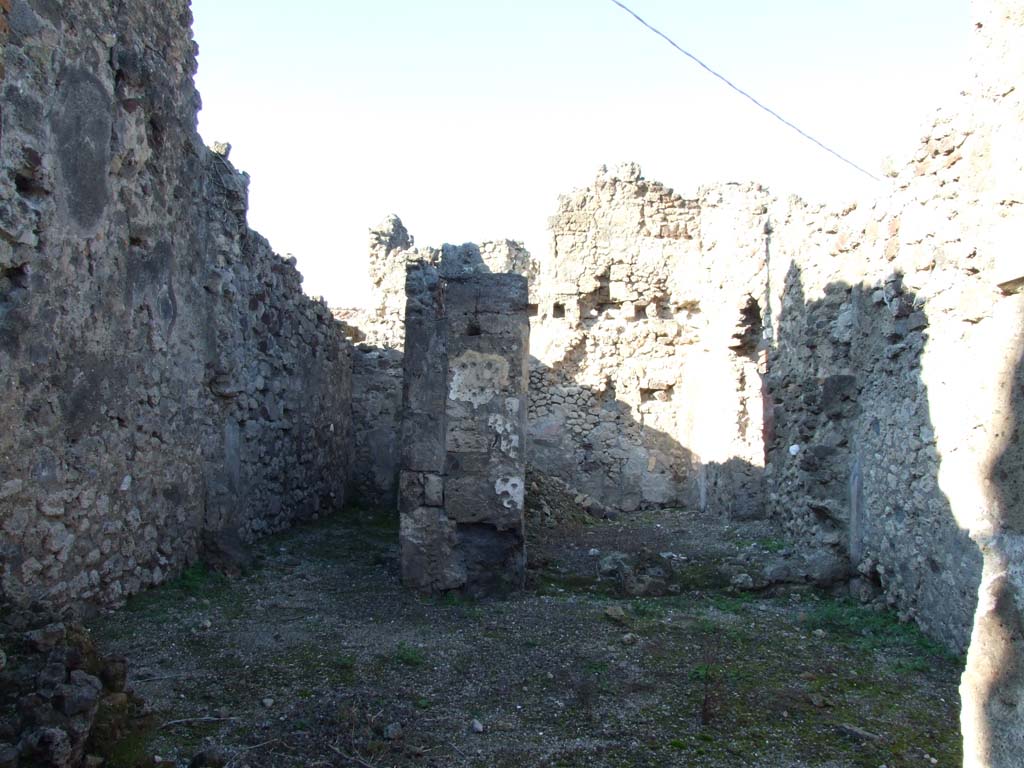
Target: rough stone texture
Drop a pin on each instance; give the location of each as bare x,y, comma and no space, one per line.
648,345
162,373
679,343
379,332
376,409
59,697
896,391
463,478
853,464
163,377
993,685
892,386
893,369
382,323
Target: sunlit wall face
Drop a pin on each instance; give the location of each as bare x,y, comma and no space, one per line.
469,119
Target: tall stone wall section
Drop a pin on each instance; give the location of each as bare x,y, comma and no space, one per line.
892,385
648,345
854,462
162,374
896,385
379,334
463,478
993,685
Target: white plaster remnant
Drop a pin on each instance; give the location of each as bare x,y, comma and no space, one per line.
508,434
477,378
511,490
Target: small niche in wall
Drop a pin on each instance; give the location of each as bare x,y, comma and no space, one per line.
660,395
531,310
558,310
473,327
640,312
28,186
607,392
665,312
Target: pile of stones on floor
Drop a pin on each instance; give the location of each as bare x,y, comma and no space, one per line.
59,698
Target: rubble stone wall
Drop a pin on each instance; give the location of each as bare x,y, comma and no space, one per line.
648,345
376,411
892,379
854,459
162,374
992,689
755,355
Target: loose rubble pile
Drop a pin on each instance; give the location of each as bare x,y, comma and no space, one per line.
60,699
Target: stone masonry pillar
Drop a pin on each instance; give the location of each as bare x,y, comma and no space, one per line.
462,476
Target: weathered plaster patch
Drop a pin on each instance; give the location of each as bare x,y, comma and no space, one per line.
477,378
510,490
508,434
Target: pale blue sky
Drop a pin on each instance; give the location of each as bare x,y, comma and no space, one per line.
468,118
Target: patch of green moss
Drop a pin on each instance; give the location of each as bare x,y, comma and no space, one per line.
551,583
130,751
197,581
409,655
648,608
738,602
868,630
120,734
701,576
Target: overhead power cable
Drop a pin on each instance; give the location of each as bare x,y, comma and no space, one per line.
740,91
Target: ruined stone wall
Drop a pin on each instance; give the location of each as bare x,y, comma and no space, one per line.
696,335
162,374
382,322
463,466
647,343
892,381
896,385
379,332
854,370
898,326
376,408
281,379
853,459
992,689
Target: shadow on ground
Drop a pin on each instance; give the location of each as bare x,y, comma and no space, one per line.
319,658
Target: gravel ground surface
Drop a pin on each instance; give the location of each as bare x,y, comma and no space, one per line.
318,657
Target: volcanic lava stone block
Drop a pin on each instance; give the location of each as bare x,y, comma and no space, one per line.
463,431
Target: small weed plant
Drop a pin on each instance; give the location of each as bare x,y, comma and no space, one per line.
410,655
870,630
